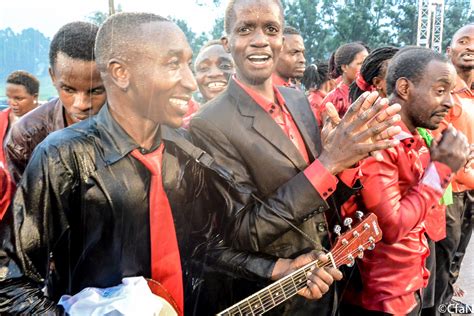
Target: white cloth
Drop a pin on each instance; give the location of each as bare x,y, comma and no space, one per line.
132,297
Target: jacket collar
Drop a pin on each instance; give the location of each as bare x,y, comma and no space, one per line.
266,127
118,144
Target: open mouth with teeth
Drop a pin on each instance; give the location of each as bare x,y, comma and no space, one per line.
216,85
468,56
258,59
180,104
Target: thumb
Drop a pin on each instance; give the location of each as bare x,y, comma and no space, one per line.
331,114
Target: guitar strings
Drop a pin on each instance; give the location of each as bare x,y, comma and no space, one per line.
263,299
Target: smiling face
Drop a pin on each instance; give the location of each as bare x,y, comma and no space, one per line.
19,100
461,51
213,68
255,40
430,99
161,80
79,87
291,63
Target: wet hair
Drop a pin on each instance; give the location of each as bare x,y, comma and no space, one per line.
230,14
372,67
315,75
76,40
25,79
344,55
119,34
290,30
410,62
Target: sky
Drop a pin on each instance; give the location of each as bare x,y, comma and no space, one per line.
48,16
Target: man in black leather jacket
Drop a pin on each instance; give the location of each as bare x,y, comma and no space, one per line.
81,214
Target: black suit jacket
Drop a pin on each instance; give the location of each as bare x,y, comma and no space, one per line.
244,139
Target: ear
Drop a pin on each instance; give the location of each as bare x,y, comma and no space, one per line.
377,82
448,51
118,71
402,88
51,74
225,43
344,68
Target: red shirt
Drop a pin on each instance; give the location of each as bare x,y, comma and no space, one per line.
461,116
279,81
4,122
403,191
193,107
339,97
315,98
6,185
321,179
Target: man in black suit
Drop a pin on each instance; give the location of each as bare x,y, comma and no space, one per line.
268,140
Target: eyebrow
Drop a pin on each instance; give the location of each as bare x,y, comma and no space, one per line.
444,80
175,52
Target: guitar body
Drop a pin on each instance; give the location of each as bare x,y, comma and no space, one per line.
170,308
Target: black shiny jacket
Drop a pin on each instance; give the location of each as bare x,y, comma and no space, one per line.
80,219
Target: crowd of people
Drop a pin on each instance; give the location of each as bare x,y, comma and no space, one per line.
215,195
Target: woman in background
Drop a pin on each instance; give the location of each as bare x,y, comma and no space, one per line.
318,84
344,63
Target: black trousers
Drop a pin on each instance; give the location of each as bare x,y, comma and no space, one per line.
450,251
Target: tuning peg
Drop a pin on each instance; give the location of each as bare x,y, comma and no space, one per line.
359,215
351,261
361,252
337,230
372,243
348,222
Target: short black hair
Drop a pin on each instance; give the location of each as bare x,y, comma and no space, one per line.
230,14
209,44
410,62
290,30
344,55
76,40
458,30
25,79
371,68
315,75
117,36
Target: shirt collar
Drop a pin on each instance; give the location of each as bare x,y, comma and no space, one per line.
258,98
409,140
279,81
461,87
116,142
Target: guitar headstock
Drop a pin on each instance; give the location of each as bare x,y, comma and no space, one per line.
356,240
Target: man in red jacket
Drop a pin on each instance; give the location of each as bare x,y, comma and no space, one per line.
404,188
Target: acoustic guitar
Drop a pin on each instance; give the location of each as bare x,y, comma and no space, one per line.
348,246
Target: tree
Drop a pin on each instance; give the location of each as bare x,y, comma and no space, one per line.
195,41
457,14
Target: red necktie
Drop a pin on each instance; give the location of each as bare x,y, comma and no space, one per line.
165,259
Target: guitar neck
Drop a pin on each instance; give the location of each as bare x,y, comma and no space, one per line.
274,294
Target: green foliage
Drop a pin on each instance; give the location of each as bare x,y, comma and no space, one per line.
327,24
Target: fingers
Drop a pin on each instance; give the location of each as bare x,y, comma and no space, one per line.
332,114
470,159
365,101
380,131
319,282
386,113
366,117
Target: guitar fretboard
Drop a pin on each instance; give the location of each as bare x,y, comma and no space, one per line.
272,295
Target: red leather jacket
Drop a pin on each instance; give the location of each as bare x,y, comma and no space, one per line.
403,191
